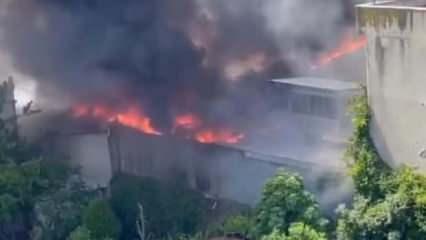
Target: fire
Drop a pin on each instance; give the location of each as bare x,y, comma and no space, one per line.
187,121
221,136
194,127
131,117
135,119
349,45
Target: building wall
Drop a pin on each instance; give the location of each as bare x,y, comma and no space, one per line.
396,81
219,171
90,153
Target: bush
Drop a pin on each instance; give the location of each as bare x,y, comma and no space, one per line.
100,220
285,201
238,224
169,209
80,233
55,215
297,231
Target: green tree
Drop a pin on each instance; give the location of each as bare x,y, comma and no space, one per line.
101,221
401,214
285,201
297,231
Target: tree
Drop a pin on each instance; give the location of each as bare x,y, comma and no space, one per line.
285,201
297,231
101,221
401,214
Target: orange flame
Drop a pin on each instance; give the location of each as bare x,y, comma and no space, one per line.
187,121
132,117
201,134
218,136
347,46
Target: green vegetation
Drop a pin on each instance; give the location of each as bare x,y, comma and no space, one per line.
390,204
80,233
284,202
368,171
297,231
101,221
169,209
24,179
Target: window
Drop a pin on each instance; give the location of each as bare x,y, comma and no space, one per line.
316,105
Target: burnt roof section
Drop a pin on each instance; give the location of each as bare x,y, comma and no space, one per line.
318,83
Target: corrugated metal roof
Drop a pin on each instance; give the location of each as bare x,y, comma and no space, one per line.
411,4
319,83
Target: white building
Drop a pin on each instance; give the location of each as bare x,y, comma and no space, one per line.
396,78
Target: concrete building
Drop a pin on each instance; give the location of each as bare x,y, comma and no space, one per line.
396,82
238,171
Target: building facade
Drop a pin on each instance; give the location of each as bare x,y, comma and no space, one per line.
396,79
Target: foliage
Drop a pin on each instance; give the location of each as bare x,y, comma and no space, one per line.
101,221
80,233
297,231
390,203
56,215
241,224
367,169
285,201
169,209
402,212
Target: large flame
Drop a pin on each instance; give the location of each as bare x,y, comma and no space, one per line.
131,117
349,45
192,125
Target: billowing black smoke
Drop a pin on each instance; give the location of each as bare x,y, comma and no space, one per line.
170,55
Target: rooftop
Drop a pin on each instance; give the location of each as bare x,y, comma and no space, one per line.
319,83
401,4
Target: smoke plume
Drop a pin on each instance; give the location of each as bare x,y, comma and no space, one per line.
170,56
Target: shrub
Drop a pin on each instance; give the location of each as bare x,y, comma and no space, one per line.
80,233
169,209
100,220
285,201
238,224
297,231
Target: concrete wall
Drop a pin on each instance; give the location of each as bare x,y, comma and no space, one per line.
396,80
